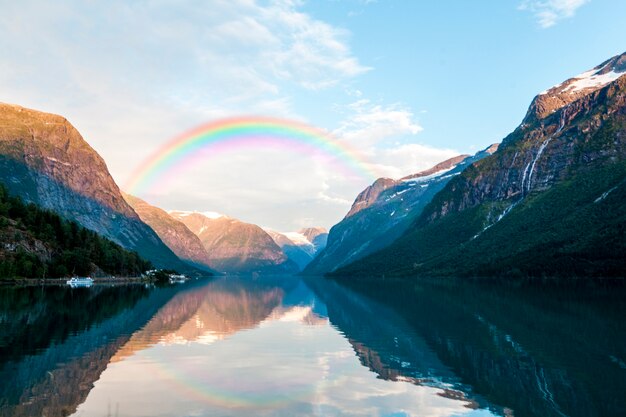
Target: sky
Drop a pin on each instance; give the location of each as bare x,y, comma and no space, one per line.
405,83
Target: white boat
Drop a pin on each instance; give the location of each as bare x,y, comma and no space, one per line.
80,282
177,279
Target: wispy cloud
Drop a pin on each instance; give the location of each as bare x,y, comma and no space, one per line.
388,135
369,123
549,12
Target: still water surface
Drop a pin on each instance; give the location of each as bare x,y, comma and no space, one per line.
287,346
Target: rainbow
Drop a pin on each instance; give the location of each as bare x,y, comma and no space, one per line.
241,133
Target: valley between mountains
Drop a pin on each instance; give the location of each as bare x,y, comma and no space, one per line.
547,201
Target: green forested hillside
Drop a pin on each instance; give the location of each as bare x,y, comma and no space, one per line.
38,243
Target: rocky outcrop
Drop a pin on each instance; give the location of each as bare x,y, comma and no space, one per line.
44,160
234,246
384,210
182,241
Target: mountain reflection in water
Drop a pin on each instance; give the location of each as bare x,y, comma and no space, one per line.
283,346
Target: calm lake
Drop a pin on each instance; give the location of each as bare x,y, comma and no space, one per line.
291,346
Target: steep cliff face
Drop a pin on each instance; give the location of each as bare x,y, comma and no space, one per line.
549,201
234,246
44,160
182,241
384,210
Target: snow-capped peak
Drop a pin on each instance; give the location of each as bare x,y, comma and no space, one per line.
297,238
595,78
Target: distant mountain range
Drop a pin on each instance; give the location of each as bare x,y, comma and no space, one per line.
234,246
549,202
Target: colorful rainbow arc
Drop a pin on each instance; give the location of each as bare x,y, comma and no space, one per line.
245,132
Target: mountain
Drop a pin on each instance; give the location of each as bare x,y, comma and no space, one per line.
385,210
549,202
234,246
301,246
182,241
294,251
44,160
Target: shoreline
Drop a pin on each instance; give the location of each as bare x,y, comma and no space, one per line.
63,281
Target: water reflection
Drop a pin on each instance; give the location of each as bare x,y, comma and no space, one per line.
537,350
284,347
56,341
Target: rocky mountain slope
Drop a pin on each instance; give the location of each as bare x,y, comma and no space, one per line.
384,210
182,241
44,160
301,246
234,246
550,201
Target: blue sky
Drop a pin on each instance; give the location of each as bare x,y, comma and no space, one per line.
409,83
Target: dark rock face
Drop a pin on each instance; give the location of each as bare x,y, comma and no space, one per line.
383,211
544,181
182,241
44,160
236,247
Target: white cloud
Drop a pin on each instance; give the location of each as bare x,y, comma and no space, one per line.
549,12
410,158
387,135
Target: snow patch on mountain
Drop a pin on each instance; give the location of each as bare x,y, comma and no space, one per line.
595,78
590,79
